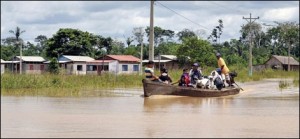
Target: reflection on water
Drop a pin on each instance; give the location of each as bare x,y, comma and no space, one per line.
259,111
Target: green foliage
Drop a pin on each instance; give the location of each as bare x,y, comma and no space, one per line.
166,48
53,66
185,33
9,51
159,34
196,50
274,41
70,42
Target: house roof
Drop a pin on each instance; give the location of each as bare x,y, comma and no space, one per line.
2,61
284,60
171,57
32,58
99,61
129,58
157,61
78,58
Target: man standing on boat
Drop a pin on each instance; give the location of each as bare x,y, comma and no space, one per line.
224,69
195,74
149,72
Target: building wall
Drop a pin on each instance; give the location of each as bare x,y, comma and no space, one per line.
259,67
73,68
273,62
130,68
292,67
2,68
36,68
114,67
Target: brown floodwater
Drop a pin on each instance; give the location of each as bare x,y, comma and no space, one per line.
261,110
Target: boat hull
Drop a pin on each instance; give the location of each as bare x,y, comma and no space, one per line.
156,88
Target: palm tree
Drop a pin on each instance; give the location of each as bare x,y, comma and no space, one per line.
17,33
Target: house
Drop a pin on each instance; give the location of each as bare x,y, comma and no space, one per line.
74,64
2,66
279,62
96,67
30,64
166,61
120,64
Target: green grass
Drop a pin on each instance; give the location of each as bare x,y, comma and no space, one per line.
283,85
66,85
71,85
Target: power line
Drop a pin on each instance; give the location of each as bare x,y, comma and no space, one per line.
232,9
182,16
239,11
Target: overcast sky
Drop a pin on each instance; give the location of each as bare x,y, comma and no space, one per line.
117,19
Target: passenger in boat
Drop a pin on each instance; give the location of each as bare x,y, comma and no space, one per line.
149,72
217,78
224,69
184,79
195,74
164,77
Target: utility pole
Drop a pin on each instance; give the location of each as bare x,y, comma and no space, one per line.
289,49
141,41
20,56
151,36
251,43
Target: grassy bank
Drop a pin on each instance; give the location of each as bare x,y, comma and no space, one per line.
70,85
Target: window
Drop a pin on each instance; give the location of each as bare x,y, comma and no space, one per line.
124,67
135,67
105,67
30,67
91,68
42,67
79,67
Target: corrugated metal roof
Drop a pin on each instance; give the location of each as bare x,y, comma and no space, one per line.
171,57
157,61
284,60
78,58
11,62
32,58
129,58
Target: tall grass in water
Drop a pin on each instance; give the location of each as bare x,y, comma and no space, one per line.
15,84
71,85
283,85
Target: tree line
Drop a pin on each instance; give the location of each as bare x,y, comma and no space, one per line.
187,45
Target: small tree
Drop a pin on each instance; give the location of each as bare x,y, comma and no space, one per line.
53,66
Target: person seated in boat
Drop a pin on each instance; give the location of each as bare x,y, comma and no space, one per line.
164,77
184,79
149,72
195,74
217,79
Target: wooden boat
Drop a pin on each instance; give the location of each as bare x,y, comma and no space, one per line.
156,88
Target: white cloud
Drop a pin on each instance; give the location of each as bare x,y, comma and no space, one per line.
117,19
282,14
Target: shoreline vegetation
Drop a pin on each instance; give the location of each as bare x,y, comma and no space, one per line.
71,85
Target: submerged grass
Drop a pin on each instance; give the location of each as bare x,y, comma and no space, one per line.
63,85
71,85
283,85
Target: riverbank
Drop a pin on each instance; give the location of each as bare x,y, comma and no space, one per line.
71,85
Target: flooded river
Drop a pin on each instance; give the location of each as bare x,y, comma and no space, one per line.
261,110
